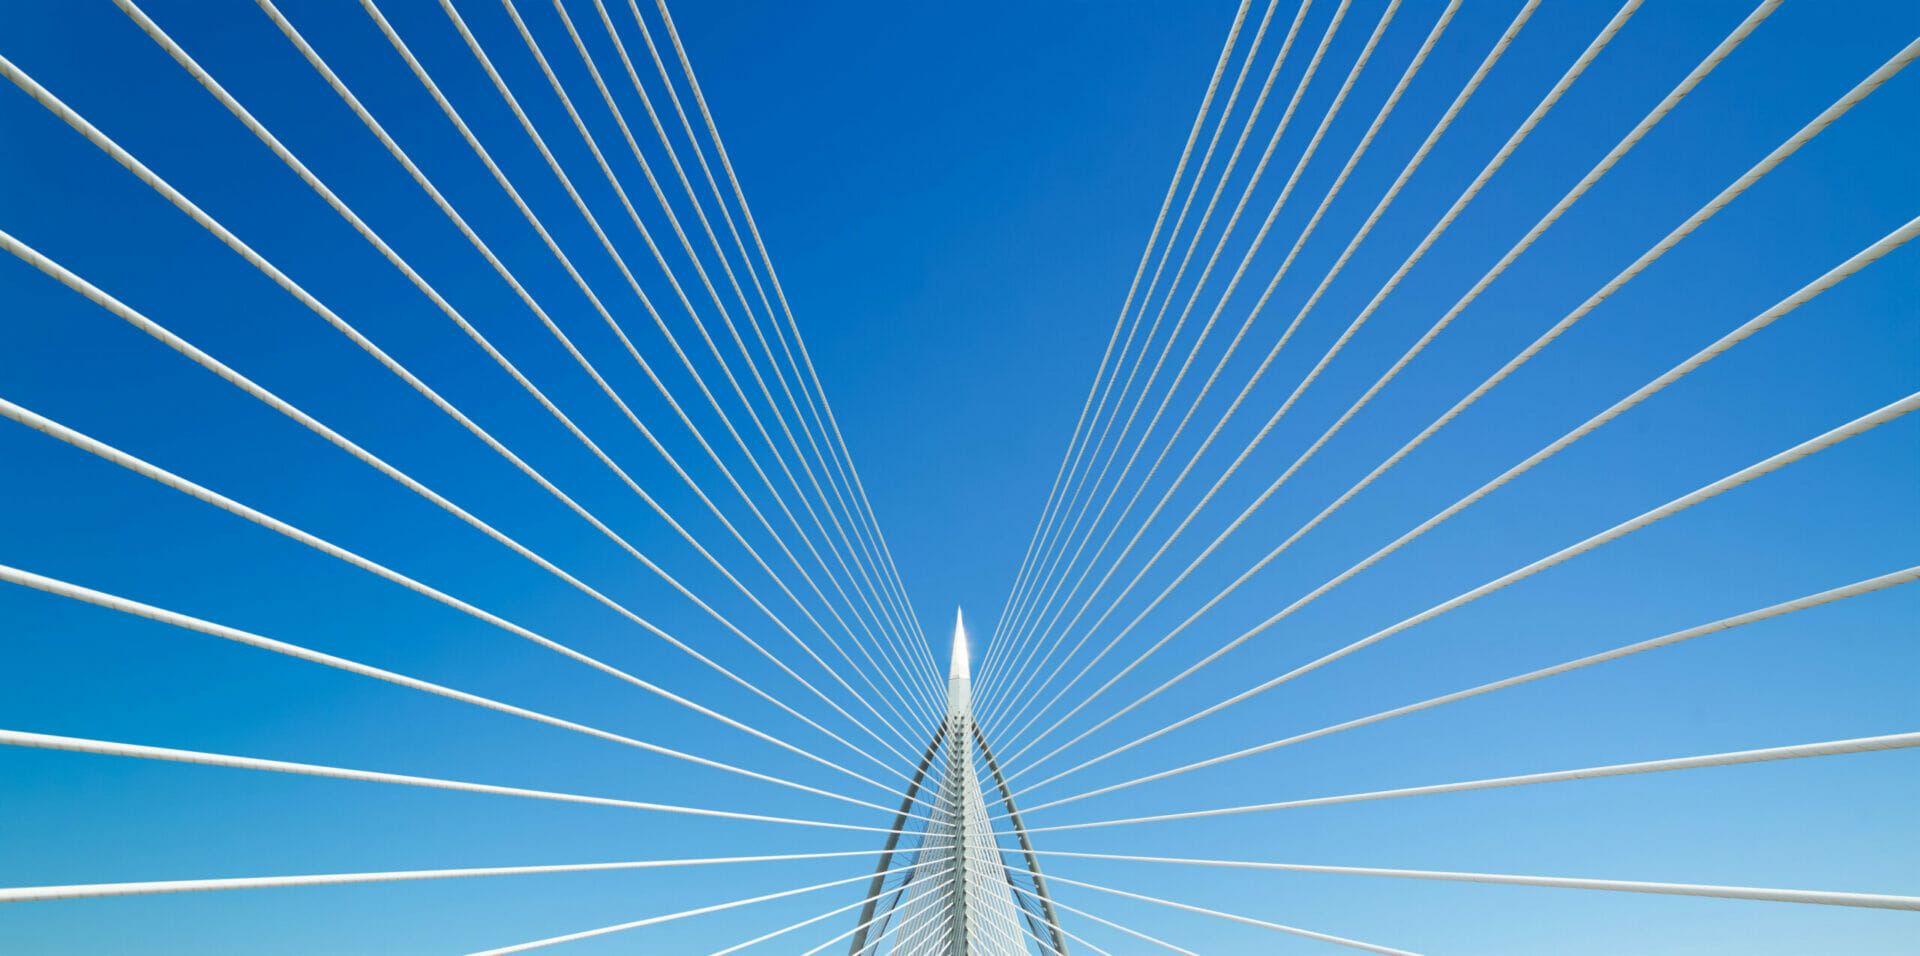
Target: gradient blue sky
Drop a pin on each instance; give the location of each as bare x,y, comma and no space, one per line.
956,197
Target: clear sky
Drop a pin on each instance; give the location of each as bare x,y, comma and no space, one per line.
956,198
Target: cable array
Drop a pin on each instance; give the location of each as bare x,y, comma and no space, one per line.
1062,678
553,253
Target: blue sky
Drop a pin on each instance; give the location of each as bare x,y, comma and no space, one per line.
956,198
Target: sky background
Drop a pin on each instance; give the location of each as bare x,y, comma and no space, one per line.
956,198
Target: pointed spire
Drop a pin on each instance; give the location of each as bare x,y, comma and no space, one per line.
962,666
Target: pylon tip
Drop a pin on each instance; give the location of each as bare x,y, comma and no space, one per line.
962,665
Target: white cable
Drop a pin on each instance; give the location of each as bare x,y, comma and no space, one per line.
614,180
132,463
1855,589
1874,900
394,148
339,87
1366,140
984,935
880,592
539,142
586,57
850,472
990,684
67,589
453,115
193,68
1153,238
986,847
1313,222
905,942
1592,50
1248,920
154,329
1107,922
805,923
1069,934
15,738
711,400
925,933
654,920
53,104
23,894
1333,108
1823,749
1660,111
1806,293
1673,238
909,898
1081,941
1016,615
913,880
66,277
1646,259
1419,156
1045,946
1300,89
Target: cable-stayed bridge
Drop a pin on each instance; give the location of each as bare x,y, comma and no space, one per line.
582,628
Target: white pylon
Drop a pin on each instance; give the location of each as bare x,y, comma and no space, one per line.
962,903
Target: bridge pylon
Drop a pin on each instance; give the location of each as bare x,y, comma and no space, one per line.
957,897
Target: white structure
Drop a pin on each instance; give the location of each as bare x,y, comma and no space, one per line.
959,897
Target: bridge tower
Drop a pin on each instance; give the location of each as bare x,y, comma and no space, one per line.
958,897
